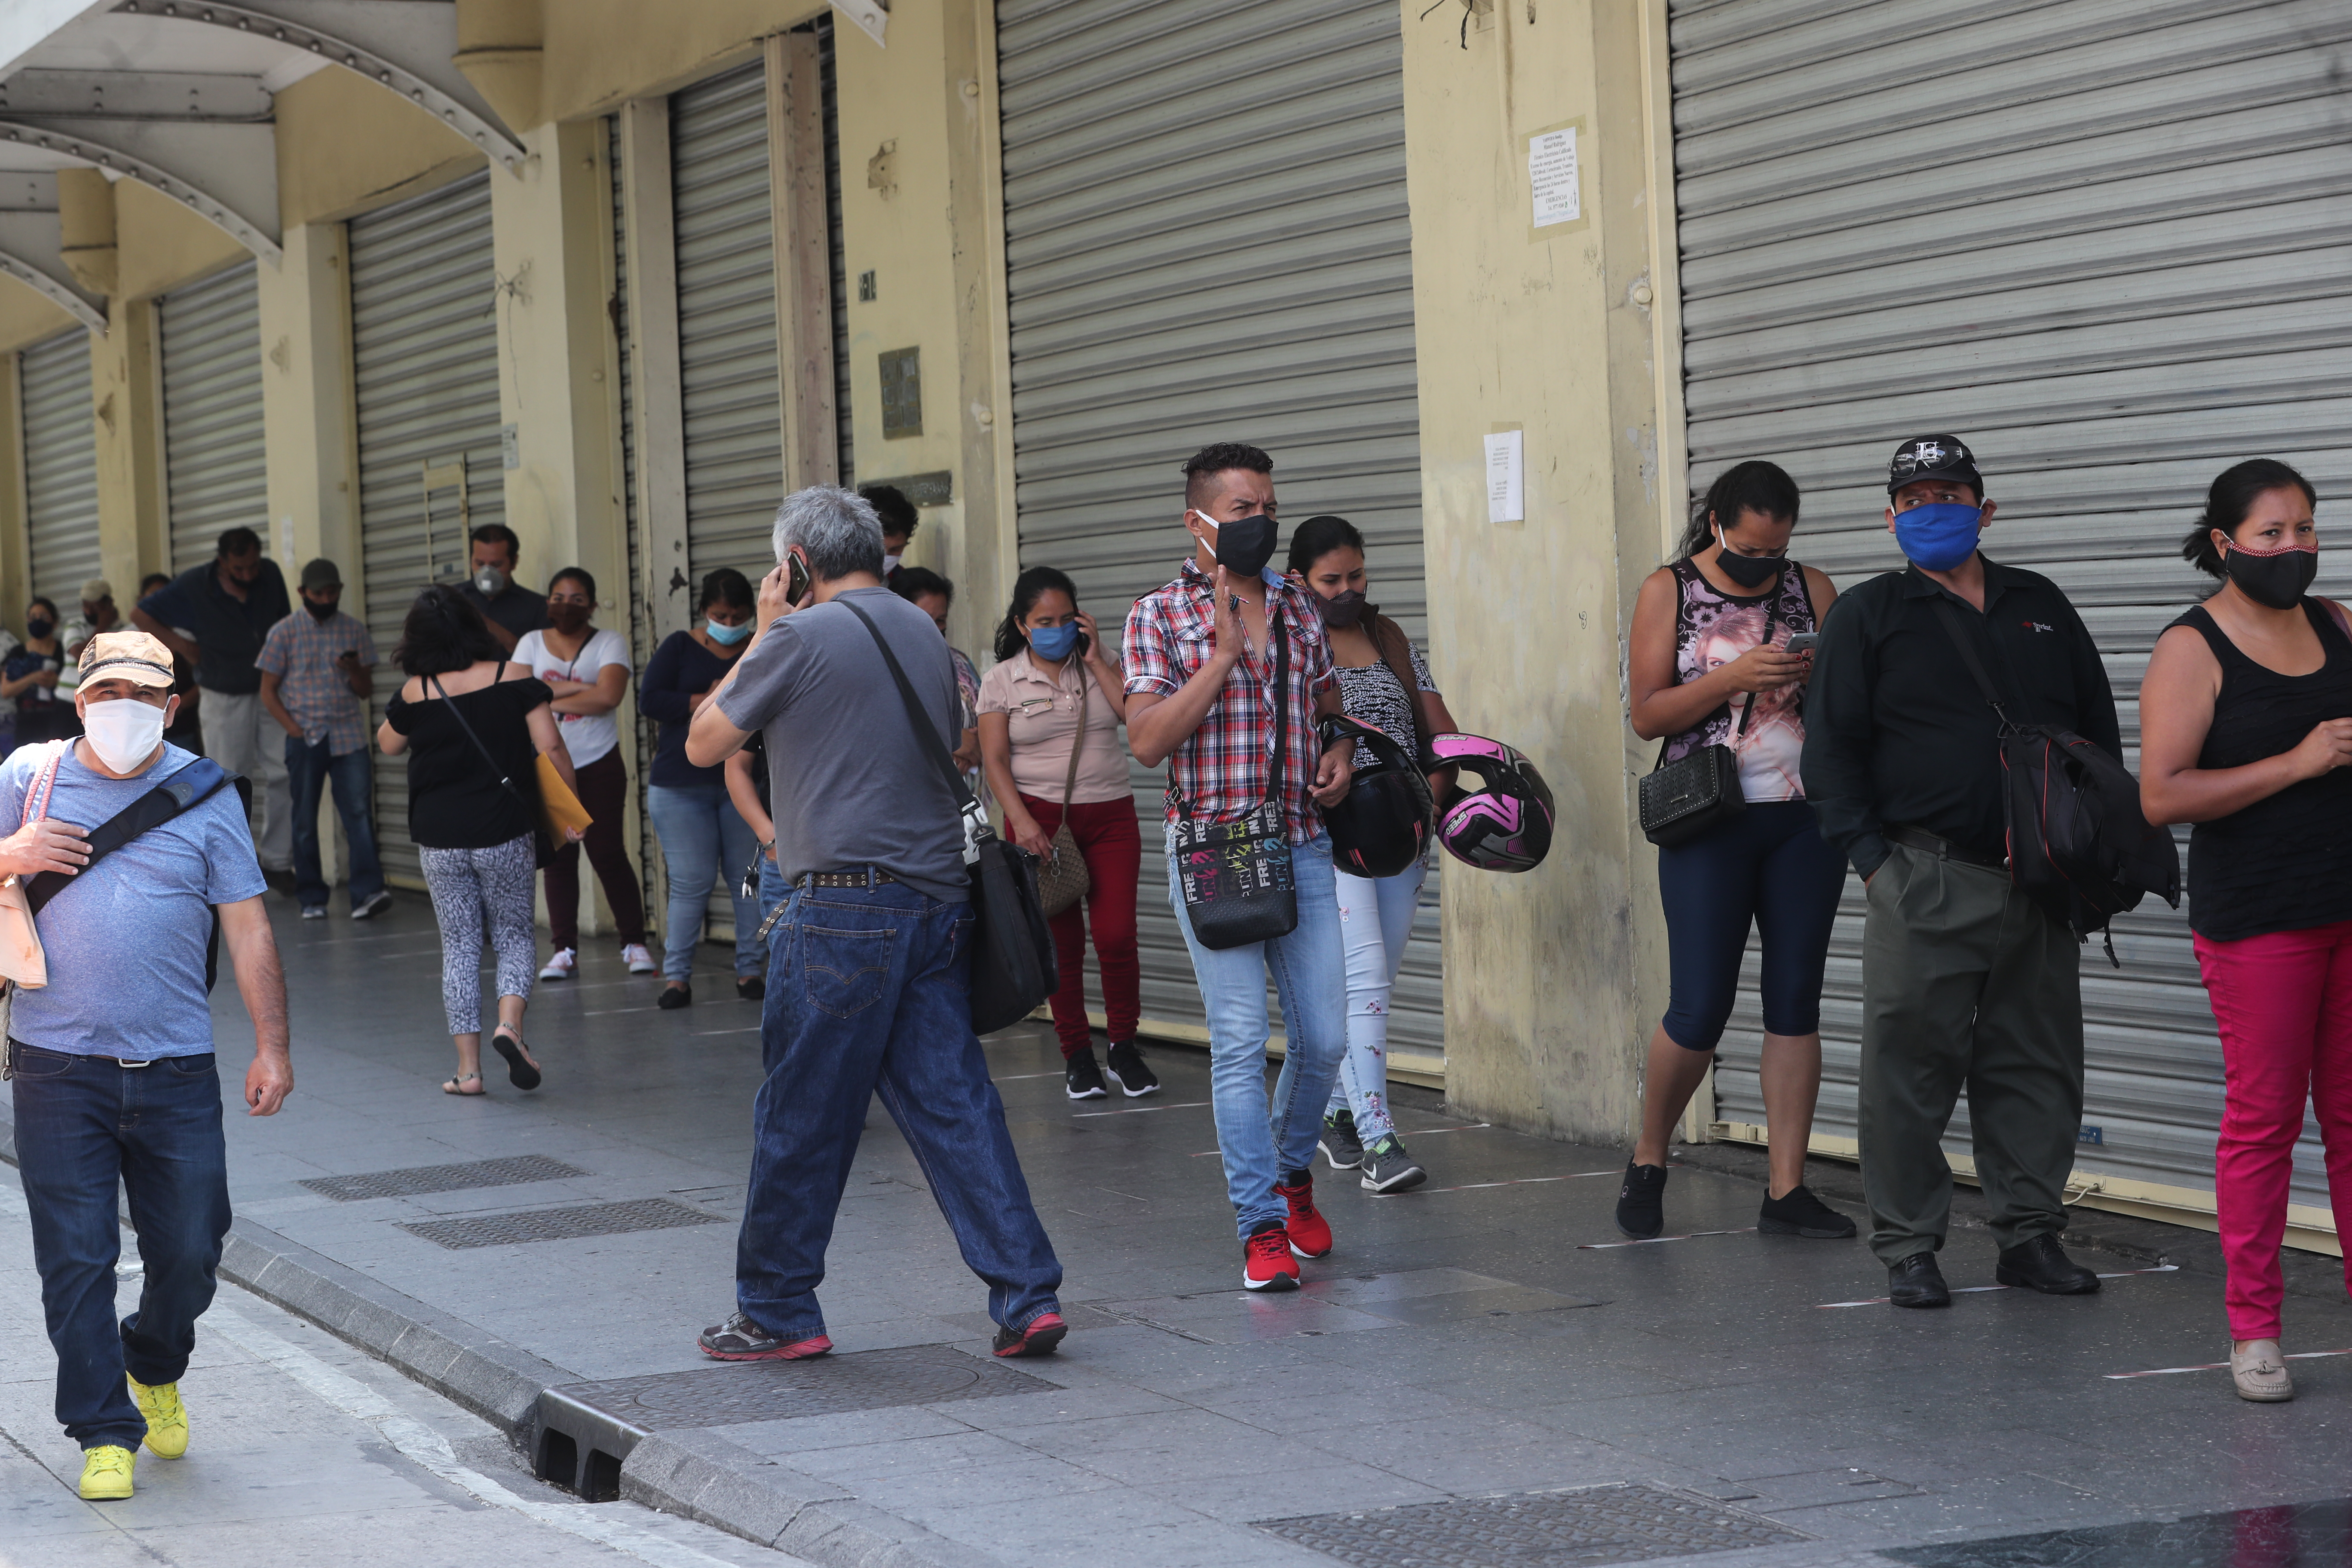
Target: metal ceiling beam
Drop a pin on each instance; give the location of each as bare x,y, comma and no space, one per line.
29,253
135,95
402,46
225,173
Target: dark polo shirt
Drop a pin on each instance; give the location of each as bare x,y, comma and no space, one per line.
229,630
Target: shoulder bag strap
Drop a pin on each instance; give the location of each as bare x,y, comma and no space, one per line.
976,828
1279,635
505,780
1070,782
1947,613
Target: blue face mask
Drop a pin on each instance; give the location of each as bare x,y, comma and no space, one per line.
1939,535
1053,644
726,637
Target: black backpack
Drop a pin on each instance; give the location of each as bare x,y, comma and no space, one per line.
2078,844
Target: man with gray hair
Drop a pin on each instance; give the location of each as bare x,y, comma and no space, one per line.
870,956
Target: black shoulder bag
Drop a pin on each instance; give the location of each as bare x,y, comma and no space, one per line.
2078,844
1699,792
1014,969
542,842
1239,886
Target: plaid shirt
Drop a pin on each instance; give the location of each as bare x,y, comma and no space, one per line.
300,650
1221,766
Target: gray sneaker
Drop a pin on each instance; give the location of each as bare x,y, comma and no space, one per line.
1389,1169
1340,1144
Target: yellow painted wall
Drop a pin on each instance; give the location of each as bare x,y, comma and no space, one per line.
125,395
600,52
27,317
1553,979
346,145
161,244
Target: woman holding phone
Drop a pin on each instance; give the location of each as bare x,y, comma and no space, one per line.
1712,665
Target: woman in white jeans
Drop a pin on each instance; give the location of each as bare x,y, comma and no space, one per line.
1384,683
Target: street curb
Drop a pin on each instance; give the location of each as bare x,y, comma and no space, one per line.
698,1475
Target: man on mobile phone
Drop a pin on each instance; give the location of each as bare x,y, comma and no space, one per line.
316,677
870,984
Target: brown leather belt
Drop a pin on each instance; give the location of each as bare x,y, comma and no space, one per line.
1942,847
868,877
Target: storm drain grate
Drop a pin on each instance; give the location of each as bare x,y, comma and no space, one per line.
558,1225
419,1179
780,1391
1533,1529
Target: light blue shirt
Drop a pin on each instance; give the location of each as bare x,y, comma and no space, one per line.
125,940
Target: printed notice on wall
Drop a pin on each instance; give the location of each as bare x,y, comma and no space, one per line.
1551,171
1505,497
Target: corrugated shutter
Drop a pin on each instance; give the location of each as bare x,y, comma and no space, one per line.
2102,243
60,469
216,475
424,364
1145,220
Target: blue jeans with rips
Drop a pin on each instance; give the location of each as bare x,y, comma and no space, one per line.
310,771
1266,1143
83,1123
868,989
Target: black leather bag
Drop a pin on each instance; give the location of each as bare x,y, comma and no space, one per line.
1013,970
1238,883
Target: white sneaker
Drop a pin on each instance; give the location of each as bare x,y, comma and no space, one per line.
562,966
640,960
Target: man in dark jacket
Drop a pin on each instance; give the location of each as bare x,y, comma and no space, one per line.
1965,980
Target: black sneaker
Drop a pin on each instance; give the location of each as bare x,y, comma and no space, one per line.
1083,1076
672,997
741,1339
1127,1065
751,987
1389,1169
1340,1144
1801,1213
1641,1201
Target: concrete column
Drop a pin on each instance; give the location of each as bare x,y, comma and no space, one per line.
306,404
1554,979
127,401
16,520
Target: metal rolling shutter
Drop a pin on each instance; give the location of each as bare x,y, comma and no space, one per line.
216,475
425,367
61,467
1143,218
2106,246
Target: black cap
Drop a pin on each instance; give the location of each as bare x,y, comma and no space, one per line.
1933,457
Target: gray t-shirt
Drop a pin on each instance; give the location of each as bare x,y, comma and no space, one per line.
849,783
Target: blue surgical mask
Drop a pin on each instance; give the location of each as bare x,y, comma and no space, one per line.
1939,535
726,637
1053,643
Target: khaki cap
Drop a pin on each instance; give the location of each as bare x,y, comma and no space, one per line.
96,589
127,656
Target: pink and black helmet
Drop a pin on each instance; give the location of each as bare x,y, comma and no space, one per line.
1506,824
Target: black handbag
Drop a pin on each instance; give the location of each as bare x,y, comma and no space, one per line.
1238,884
1014,969
1698,792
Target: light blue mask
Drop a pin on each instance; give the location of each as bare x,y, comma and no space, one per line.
1053,644
1939,535
726,637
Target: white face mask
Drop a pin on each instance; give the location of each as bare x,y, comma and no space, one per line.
890,562
124,733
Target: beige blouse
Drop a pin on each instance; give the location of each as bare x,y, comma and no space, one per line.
1043,716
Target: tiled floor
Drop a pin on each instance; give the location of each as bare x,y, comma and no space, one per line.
1445,1350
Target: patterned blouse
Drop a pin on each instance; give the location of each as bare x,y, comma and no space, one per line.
1711,629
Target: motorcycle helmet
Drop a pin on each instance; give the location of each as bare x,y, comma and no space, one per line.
1383,823
1505,826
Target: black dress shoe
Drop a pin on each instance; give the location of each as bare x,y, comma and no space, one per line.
2043,1265
1917,1282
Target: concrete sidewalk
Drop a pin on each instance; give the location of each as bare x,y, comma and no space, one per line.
1485,1335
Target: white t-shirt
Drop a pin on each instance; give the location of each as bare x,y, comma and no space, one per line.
587,736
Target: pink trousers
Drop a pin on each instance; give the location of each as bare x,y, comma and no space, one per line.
2284,1002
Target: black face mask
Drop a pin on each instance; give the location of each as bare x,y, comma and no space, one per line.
1245,545
2277,578
1748,571
325,612
36,627
1344,610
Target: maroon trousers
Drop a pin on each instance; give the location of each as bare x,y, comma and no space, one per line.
1111,843
604,790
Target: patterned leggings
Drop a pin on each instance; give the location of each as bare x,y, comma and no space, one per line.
465,883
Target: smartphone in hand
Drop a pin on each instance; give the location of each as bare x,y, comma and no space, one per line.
1803,642
797,584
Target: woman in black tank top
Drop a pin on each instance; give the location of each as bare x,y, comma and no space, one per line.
2246,729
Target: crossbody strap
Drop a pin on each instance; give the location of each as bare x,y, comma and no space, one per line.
1070,782
505,780
1281,639
976,830
1950,614
189,787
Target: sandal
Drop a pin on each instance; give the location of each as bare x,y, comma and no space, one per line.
457,1085
507,1043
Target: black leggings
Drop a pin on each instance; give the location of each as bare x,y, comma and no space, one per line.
1769,864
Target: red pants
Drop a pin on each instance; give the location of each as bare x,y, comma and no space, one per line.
2284,1002
1112,845
604,790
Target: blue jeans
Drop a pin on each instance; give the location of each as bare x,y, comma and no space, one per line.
704,841
773,888
309,771
1375,922
83,1123
868,990
1264,1144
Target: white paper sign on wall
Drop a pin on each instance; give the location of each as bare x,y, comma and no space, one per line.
1552,176
1506,495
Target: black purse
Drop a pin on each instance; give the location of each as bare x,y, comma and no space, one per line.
1700,792
1014,969
1236,875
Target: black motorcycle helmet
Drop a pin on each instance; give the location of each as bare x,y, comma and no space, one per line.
1383,824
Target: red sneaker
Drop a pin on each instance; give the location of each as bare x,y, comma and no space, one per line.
1310,1232
741,1339
1266,1263
1045,1331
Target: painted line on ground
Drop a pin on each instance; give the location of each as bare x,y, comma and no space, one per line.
1514,1181
1137,1110
1981,1289
1017,1077
1655,1240
2216,1365
746,1029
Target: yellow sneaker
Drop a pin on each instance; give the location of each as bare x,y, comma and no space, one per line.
167,1418
106,1473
